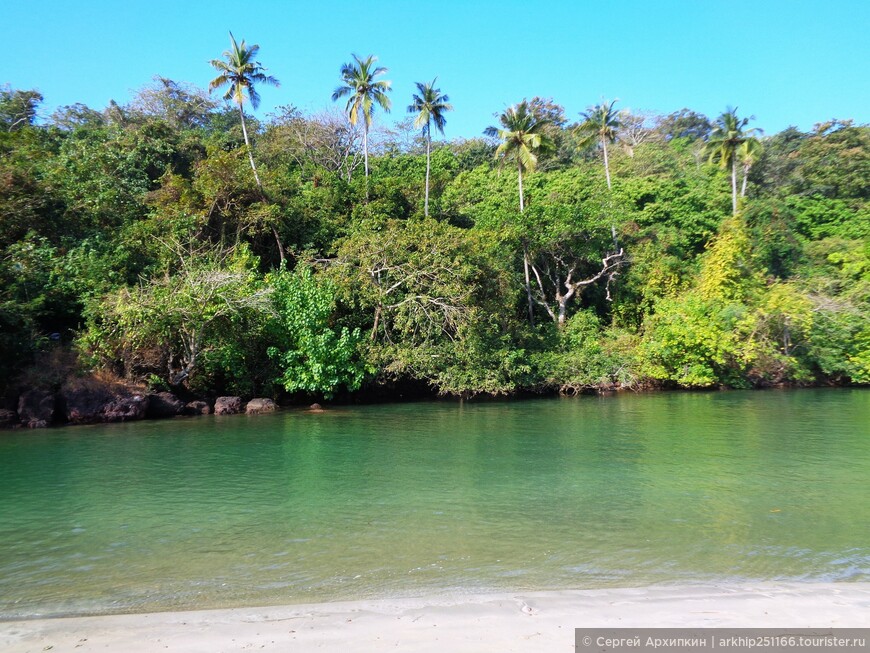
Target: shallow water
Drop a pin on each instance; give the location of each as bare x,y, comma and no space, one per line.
431,497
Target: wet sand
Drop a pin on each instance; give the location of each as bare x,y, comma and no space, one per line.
521,621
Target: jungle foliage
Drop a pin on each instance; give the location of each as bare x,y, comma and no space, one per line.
139,236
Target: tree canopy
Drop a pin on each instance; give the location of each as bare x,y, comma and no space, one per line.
136,237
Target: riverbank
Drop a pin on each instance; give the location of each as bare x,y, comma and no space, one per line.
521,621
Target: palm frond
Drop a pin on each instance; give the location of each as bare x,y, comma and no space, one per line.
340,92
239,71
253,95
363,89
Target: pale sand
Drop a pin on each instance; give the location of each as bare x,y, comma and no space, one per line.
521,621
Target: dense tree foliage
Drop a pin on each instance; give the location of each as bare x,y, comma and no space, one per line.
138,236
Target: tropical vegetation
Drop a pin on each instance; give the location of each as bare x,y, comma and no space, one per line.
136,240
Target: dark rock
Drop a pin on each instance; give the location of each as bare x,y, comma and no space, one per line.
83,402
126,409
164,404
197,408
259,405
227,405
8,419
90,400
36,408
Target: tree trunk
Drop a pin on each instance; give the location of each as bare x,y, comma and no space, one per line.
734,185
280,245
248,147
374,333
607,176
563,311
528,285
522,201
745,177
257,179
526,251
428,154
366,156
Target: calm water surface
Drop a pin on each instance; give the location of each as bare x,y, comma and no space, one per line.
436,497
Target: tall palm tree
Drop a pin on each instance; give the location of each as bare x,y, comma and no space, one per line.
430,106
728,136
601,123
523,137
239,70
748,153
364,93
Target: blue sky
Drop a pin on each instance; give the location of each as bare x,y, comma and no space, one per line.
787,62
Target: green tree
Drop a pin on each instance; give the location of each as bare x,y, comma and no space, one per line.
313,355
18,108
183,106
364,91
685,124
728,136
239,71
185,316
430,106
523,137
600,123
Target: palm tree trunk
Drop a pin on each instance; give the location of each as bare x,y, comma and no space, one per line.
428,154
259,183
522,201
248,147
734,185
745,177
607,176
366,156
526,251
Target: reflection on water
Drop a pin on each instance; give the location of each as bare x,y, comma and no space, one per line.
419,498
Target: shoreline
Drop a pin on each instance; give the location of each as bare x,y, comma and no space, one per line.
506,621
8,424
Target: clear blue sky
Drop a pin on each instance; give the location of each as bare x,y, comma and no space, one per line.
788,62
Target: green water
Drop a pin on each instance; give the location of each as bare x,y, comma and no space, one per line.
436,497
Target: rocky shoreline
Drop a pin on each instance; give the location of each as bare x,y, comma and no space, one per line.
90,401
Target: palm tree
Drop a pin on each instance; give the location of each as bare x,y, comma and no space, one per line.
728,136
601,123
241,72
430,106
359,83
748,153
523,137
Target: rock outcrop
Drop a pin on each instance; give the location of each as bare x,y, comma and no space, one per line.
164,404
36,408
197,408
90,401
227,405
83,402
8,419
260,405
126,409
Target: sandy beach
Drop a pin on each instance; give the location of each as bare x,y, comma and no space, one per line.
522,621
